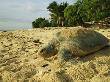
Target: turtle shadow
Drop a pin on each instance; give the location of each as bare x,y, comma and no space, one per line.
104,52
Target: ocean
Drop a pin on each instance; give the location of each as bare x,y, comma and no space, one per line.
14,25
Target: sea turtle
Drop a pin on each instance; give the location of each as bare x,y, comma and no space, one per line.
76,42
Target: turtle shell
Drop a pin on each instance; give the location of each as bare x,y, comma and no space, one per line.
81,41
75,41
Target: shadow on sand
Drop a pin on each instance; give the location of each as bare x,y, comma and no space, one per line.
105,52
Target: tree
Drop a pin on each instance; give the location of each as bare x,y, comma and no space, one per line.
95,9
40,22
73,16
87,10
44,23
57,13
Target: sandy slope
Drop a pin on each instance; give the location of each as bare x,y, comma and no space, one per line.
19,61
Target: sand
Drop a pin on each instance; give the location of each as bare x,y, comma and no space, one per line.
19,61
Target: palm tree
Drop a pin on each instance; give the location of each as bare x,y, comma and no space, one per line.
57,12
61,8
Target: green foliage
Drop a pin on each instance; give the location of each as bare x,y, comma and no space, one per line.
40,22
53,7
72,15
87,10
95,9
44,23
77,14
53,23
57,13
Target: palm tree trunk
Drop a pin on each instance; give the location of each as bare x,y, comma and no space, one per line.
62,23
58,21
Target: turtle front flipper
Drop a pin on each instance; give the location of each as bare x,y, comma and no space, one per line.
64,55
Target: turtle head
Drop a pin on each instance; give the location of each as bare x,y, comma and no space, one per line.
47,51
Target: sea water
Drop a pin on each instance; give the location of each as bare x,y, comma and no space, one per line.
14,25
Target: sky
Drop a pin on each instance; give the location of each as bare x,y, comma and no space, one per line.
16,14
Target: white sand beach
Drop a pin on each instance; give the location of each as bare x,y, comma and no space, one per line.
19,61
